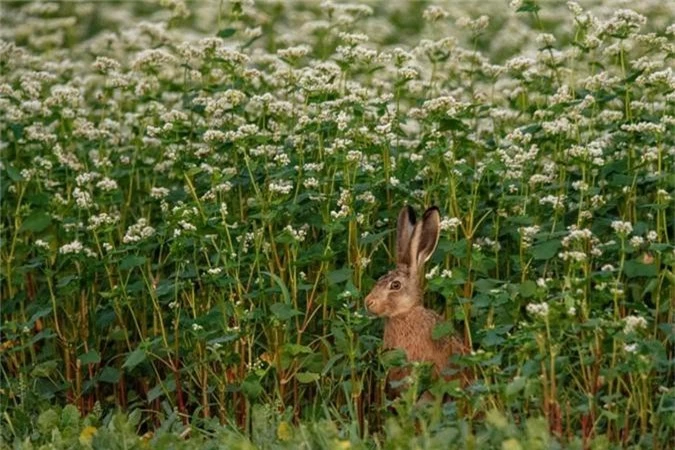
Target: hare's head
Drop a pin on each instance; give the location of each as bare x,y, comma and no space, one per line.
399,291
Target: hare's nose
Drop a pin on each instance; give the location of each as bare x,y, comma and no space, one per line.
369,302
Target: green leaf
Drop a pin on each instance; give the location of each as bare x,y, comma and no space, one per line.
339,276
296,349
307,377
110,375
169,385
36,222
91,357
375,237
636,268
451,124
13,174
70,416
251,387
484,285
441,330
546,250
283,311
527,289
132,261
529,6
44,370
47,421
393,358
226,32
284,290
515,386
134,358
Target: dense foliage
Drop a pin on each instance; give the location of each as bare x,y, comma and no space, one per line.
197,197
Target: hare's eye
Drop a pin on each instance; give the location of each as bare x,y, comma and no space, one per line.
395,285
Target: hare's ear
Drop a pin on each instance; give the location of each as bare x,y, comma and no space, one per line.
404,230
425,238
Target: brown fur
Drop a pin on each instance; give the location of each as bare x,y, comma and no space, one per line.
397,297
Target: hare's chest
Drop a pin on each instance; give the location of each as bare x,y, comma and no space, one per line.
415,340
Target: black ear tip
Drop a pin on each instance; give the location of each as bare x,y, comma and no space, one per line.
431,210
410,212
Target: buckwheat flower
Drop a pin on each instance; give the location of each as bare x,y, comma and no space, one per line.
283,187
538,310
408,73
103,219
197,327
630,348
652,236
636,241
367,197
623,23
557,202
64,96
311,183
434,14
622,228
580,186
73,247
214,137
662,194
82,198
294,53
299,234
139,231
644,127
353,38
476,25
446,273
104,64
106,184
151,58
215,270
527,234
159,192
634,323
394,181
432,273
450,223
173,305
39,243
39,133
572,256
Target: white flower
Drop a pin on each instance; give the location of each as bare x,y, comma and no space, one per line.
73,247
538,310
106,184
159,192
39,243
630,348
140,230
450,223
634,323
622,228
281,187
432,273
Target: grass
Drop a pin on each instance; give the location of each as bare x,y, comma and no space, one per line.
197,198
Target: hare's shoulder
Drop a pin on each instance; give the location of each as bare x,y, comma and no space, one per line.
411,329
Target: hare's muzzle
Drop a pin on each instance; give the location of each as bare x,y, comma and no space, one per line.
372,305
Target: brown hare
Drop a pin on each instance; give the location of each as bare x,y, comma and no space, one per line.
397,297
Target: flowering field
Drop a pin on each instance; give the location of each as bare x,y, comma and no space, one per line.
197,197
